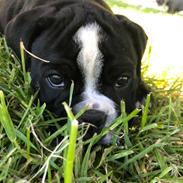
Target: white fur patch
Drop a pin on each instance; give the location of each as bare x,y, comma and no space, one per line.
90,57
90,61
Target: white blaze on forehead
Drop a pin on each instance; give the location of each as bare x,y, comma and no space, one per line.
90,57
90,61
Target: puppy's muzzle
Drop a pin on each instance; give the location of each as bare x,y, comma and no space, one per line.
96,119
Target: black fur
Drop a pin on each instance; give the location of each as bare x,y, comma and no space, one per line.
47,29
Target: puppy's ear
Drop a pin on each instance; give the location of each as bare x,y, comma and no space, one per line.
138,36
139,39
26,27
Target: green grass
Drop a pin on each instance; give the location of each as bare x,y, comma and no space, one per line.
123,4
150,152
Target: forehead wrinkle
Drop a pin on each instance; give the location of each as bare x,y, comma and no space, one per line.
90,57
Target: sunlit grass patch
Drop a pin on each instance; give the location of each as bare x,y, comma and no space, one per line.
150,151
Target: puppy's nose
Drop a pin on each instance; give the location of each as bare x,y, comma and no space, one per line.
97,120
95,117
95,106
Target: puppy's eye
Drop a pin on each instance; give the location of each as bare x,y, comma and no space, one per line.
56,80
122,81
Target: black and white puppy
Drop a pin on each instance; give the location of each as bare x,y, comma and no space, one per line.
85,42
173,5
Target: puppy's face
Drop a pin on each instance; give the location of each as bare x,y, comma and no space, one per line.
160,2
98,51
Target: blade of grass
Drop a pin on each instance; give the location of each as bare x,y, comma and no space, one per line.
23,138
26,112
122,154
85,163
141,154
28,143
125,123
6,121
23,60
3,161
118,121
4,174
55,134
161,160
145,112
162,174
148,127
68,169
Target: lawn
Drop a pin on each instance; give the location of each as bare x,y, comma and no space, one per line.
149,152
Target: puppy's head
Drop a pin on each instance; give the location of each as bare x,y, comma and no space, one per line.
161,2
88,44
